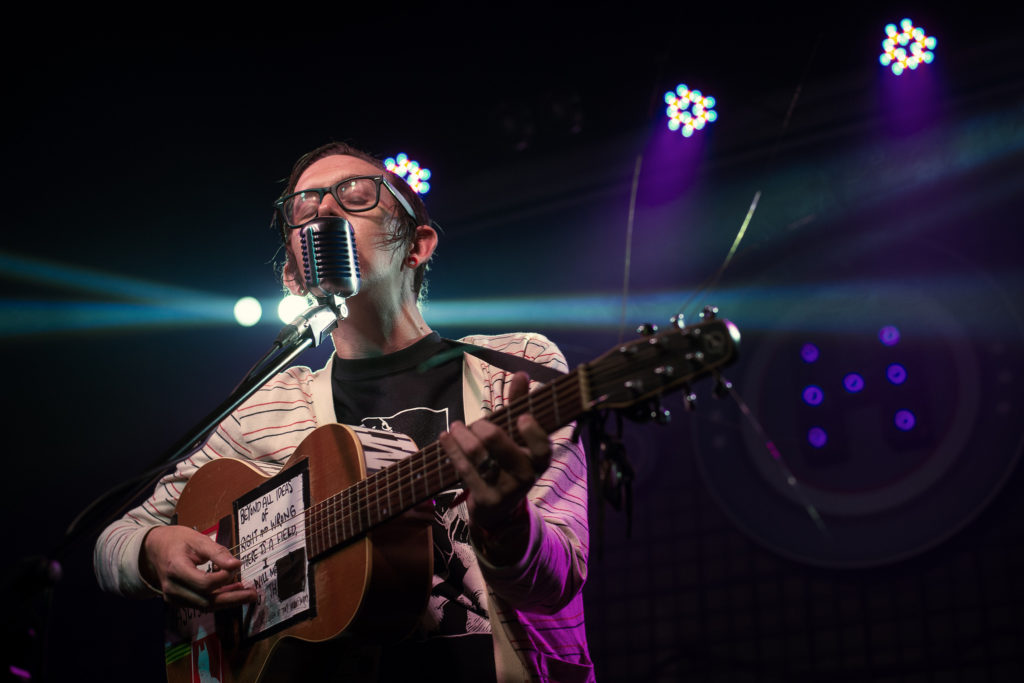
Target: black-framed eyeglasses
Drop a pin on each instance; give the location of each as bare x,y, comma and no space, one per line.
355,194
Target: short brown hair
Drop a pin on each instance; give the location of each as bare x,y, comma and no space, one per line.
405,225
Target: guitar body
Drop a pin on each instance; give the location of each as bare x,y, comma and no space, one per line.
373,588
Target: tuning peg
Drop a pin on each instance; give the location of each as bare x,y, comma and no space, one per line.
678,321
722,387
709,313
662,415
647,329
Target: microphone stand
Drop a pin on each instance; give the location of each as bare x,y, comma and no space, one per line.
309,329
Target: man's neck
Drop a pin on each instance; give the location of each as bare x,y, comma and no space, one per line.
369,331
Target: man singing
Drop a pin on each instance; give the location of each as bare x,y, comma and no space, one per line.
510,546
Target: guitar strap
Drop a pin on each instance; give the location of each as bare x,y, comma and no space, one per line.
499,359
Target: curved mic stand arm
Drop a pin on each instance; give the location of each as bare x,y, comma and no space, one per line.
309,329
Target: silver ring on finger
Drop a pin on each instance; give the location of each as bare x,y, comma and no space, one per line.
489,470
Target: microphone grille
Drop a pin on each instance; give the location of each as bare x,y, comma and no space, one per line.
329,259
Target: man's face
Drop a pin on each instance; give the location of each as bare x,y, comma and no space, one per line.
379,258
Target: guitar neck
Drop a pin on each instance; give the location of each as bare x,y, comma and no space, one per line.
397,488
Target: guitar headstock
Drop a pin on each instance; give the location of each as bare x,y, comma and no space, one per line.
640,370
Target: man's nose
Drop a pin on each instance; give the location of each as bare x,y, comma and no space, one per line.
329,206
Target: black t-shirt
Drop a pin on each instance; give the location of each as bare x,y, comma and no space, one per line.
390,393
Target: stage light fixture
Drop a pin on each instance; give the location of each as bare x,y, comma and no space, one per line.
906,47
689,110
411,171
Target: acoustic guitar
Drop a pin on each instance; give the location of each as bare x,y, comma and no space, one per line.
327,546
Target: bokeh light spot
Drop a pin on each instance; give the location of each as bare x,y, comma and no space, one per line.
889,335
290,307
248,311
896,373
809,353
813,395
904,420
853,383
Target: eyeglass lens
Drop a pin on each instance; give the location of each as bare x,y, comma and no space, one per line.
354,194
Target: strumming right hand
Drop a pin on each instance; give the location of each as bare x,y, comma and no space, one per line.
169,560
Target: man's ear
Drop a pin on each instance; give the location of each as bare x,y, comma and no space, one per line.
292,276
424,242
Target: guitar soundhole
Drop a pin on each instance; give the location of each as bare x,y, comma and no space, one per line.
291,574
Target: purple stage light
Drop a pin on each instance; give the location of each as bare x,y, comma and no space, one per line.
889,335
813,395
817,437
904,420
900,40
809,353
689,110
896,373
853,383
414,174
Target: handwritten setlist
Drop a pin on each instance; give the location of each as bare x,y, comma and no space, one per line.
272,547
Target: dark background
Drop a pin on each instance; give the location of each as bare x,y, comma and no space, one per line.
152,151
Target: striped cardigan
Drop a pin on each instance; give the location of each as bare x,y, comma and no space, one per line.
535,606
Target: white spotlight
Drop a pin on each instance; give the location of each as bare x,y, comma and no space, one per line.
290,307
248,311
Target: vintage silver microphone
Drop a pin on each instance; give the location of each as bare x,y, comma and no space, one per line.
331,270
329,259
